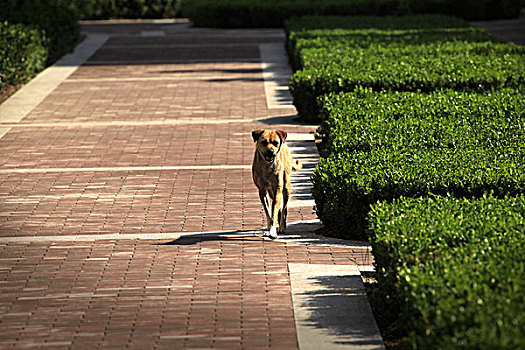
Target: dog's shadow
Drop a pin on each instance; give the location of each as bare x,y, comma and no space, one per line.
195,238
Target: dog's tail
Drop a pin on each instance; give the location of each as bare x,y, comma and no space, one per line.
297,165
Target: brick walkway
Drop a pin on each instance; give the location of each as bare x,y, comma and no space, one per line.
150,138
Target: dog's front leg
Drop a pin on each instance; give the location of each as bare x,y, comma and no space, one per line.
276,208
263,196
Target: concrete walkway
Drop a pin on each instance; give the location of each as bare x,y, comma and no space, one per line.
509,30
128,216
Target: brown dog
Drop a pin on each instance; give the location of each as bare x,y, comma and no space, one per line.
271,170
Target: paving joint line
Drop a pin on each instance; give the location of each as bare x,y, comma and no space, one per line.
117,80
206,45
124,168
287,121
174,61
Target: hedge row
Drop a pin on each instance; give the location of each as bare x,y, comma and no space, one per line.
23,53
33,36
453,269
365,31
105,9
434,177
305,24
58,25
385,145
382,60
273,13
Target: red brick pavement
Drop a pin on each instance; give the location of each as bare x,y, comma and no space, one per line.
238,70
204,99
196,292
124,145
210,291
132,202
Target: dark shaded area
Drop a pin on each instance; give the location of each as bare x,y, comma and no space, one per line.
211,236
334,299
227,71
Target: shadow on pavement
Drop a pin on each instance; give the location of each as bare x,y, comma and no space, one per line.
196,238
329,303
229,71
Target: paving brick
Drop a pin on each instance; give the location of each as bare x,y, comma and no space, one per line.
254,310
232,70
202,99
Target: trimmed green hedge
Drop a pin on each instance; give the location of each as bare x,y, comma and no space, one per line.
301,43
365,31
306,24
458,65
23,53
273,13
105,9
453,269
58,25
386,145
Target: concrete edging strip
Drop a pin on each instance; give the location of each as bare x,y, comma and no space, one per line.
14,109
4,131
331,308
124,168
276,73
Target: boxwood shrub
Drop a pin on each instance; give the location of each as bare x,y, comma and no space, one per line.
58,24
452,269
326,30
384,145
272,13
23,53
105,9
342,40
458,65
413,21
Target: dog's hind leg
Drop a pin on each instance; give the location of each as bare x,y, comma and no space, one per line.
284,211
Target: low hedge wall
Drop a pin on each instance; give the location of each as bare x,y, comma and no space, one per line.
384,145
364,31
58,25
339,41
272,13
105,9
305,24
452,269
458,65
33,35
23,53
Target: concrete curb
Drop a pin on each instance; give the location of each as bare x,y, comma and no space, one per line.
331,308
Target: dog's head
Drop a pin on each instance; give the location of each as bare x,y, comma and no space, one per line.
268,142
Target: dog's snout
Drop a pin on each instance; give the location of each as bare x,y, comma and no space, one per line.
271,151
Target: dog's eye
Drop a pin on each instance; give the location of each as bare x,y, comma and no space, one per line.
275,143
264,143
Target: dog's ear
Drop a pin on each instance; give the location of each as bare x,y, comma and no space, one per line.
282,134
256,134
